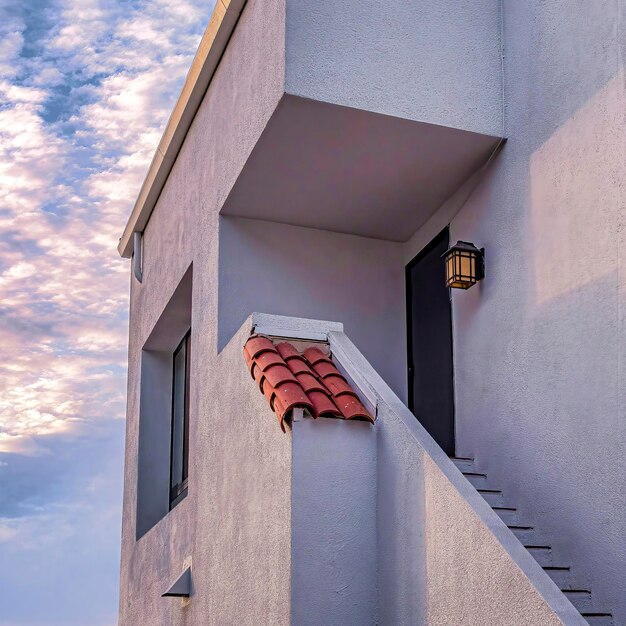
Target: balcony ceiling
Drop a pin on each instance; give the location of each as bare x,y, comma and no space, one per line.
336,168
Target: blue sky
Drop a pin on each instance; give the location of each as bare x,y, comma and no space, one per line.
86,87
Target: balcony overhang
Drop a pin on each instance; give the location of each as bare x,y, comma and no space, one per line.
385,112
342,169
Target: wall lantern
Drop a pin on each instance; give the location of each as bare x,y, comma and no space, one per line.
465,265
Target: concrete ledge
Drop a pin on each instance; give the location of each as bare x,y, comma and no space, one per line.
294,327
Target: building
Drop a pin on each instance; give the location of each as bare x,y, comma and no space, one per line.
321,158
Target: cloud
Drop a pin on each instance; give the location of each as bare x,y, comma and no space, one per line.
60,536
86,89
67,186
11,41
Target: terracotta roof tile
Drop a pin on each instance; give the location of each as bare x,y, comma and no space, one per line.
286,350
337,385
315,355
324,368
310,380
289,396
299,366
270,393
249,361
323,406
258,344
257,374
267,359
278,374
351,407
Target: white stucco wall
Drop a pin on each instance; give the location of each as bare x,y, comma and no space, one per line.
539,345
444,556
289,270
334,566
432,60
220,525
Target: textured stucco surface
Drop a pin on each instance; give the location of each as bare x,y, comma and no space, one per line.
239,563
444,556
540,353
334,547
432,60
471,578
539,349
288,270
400,519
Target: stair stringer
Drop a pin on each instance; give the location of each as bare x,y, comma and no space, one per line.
474,569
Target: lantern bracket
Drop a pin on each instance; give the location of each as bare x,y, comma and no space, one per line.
481,265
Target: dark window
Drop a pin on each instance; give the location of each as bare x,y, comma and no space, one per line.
179,456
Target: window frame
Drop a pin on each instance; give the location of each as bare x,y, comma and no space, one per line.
178,491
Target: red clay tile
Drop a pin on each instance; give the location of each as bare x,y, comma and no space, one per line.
267,359
315,355
287,380
290,394
351,408
288,397
324,368
258,344
308,382
249,360
299,366
286,350
270,394
277,374
337,385
323,406
258,376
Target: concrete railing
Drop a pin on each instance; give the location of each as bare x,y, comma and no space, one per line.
443,555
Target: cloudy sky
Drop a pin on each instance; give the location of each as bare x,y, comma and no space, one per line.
86,87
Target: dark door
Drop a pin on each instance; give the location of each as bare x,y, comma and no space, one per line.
429,317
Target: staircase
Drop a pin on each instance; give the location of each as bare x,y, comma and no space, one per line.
542,552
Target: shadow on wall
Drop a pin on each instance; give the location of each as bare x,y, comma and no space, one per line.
303,272
545,409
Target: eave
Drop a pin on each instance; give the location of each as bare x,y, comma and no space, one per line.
206,60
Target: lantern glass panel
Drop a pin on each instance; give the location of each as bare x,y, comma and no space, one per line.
466,266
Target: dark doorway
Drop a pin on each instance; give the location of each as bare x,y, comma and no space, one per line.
429,332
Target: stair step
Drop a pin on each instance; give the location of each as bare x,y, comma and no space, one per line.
493,497
560,575
477,479
462,463
541,554
507,514
599,619
524,533
580,598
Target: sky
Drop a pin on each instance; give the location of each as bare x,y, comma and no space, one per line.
86,87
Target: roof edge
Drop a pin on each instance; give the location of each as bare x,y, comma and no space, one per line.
207,58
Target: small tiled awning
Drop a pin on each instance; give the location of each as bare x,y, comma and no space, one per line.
308,380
